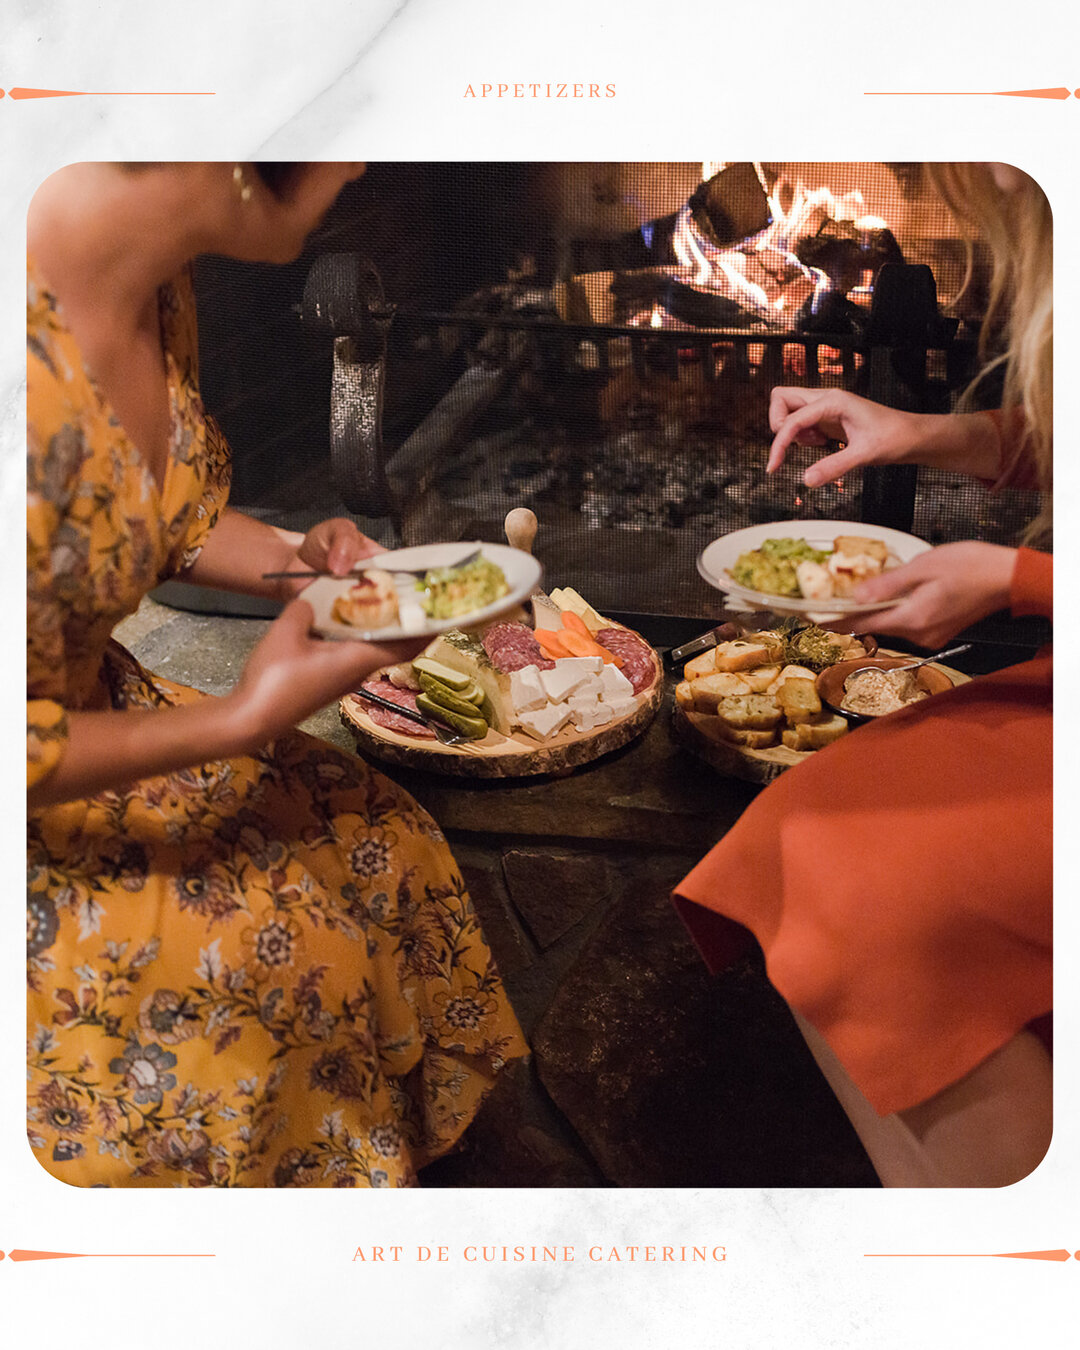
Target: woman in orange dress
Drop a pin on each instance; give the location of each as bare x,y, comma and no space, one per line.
899,882
251,958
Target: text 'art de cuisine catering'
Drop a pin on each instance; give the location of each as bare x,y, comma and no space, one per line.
531,1254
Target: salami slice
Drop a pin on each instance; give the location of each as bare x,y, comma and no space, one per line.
383,717
639,665
512,646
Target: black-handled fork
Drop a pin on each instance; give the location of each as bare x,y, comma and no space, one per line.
373,561
443,734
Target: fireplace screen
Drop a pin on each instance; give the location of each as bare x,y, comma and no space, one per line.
597,342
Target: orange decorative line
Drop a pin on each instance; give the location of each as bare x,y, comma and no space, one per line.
1058,1255
20,1255
109,93
970,93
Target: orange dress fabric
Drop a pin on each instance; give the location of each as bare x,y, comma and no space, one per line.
899,882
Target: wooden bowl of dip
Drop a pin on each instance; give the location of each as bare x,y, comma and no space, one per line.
830,683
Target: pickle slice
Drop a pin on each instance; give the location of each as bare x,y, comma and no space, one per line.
453,679
473,727
446,698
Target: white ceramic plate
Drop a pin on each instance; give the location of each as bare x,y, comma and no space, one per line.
718,558
522,572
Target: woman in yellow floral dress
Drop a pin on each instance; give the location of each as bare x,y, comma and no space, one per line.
251,958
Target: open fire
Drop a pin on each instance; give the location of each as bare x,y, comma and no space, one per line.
612,372
801,265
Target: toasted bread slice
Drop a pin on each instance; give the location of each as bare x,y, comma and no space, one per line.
751,712
819,731
713,729
371,602
857,546
705,664
799,700
751,739
790,673
759,679
741,654
710,689
769,639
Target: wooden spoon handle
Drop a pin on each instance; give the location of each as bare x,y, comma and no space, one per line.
520,526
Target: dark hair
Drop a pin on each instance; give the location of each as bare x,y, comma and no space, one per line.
278,176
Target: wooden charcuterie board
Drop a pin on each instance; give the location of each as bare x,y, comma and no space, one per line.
497,756
754,766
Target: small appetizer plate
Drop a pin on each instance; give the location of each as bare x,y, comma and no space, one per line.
521,570
717,559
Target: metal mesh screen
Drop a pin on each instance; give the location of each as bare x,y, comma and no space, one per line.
555,345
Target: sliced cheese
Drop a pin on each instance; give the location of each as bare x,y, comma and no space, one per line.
527,692
590,714
592,684
620,706
614,684
546,616
567,598
568,675
546,721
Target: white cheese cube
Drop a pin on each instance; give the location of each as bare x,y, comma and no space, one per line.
590,715
614,685
591,685
527,693
619,706
545,721
568,675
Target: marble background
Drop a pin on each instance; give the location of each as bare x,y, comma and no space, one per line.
341,79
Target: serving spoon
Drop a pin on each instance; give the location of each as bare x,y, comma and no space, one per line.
914,665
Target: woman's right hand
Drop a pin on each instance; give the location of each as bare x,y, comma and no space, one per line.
292,673
871,433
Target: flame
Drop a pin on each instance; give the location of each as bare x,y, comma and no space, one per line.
762,274
689,252
656,319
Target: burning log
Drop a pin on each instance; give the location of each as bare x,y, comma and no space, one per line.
845,250
695,306
731,206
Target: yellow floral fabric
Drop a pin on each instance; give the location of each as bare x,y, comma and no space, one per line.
264,971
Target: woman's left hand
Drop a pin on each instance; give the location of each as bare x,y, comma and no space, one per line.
941,592
334,546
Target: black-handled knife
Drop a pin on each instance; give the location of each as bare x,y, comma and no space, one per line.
723,632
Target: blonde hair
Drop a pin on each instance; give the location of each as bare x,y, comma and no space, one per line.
1017,227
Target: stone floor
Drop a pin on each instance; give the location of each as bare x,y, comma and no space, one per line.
646,1071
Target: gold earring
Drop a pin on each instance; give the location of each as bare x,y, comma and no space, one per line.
240,183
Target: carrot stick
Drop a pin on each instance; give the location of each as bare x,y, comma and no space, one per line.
551,643
578,645
575,623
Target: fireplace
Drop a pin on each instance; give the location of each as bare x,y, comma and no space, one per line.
597,342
